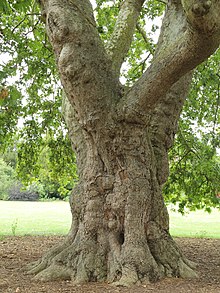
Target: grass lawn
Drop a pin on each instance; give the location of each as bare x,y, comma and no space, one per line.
195,224
34,218
54,218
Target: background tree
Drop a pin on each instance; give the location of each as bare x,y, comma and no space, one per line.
194,171
44,177
121,135
7,178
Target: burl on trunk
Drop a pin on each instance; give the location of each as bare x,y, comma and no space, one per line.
121,137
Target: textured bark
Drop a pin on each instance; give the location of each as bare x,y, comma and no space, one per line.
120,228
120,224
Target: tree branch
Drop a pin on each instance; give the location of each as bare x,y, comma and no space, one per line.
84,67
181,48
121,38
145,37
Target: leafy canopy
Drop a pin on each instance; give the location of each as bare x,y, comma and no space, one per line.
31,96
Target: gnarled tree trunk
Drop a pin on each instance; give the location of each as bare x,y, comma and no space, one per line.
120,226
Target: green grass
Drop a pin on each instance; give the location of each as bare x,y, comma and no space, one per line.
34,218
54,218
195,224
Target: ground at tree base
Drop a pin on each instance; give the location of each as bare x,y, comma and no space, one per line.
17,252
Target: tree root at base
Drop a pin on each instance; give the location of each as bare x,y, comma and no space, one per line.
54,266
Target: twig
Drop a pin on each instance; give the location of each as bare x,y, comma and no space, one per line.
20,22
145,37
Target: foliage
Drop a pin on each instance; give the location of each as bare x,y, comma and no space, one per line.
48,180
10,156
194,174
43,178
52,167
194,178
34,99
23,193
30,97
7,178
49,176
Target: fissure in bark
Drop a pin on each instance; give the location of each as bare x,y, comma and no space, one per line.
120,224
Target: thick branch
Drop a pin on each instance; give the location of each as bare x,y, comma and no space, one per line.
172,61
121,39
84,67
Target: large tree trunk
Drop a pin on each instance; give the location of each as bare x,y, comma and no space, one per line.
120,226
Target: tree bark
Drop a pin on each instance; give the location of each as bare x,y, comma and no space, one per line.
120,227
120,224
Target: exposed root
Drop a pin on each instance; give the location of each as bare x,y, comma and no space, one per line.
190,263
54,272
31,265
185,271
82,266
42,264
129,278
91,257
38,267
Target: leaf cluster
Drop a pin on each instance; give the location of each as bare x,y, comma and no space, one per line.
194,180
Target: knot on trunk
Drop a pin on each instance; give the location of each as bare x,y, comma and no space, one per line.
201,8
58,29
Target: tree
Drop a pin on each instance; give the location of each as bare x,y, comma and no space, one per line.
121,137
7,178
194,164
